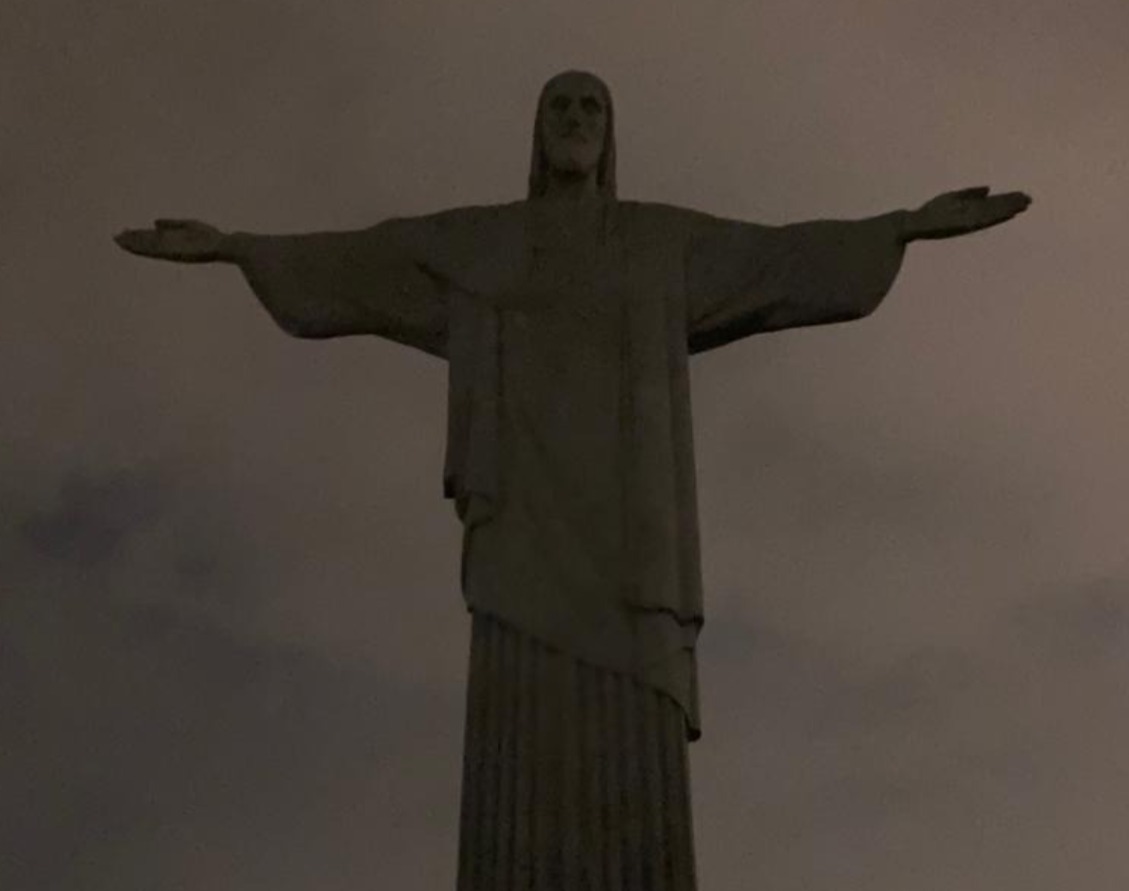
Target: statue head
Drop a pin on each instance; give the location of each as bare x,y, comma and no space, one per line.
573,134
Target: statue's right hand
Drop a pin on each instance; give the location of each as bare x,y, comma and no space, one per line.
184,241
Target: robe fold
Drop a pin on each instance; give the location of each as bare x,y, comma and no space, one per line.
567,333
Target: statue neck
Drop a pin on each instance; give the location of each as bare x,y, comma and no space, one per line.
565,185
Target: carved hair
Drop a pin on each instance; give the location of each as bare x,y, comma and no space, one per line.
539,167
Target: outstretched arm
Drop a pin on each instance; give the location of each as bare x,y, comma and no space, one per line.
744,278
326,284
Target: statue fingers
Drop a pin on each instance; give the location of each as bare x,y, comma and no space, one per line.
1020,201
969,210
974,192
137,241
1004,207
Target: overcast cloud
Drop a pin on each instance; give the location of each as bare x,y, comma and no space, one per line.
232,647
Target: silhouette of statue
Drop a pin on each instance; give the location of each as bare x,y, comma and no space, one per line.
567,320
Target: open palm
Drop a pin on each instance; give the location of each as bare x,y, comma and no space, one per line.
963,211
183,241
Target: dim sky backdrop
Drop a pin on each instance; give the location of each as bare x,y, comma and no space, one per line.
232,647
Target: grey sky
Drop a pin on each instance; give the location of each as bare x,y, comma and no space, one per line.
223,551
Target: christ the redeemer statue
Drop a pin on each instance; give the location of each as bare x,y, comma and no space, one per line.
567,321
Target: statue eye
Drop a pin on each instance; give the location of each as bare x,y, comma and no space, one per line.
591,105
560,103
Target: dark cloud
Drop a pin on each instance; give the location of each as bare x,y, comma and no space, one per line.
91,518
840,757
1083,626
154,735
148,739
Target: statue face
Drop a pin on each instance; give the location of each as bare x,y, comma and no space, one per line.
574,117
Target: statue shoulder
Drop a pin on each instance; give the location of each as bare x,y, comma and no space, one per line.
665,217
455,218
451,231
658,223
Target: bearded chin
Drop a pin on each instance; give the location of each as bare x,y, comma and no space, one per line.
573,163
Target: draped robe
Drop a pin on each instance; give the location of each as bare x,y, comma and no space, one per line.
567,328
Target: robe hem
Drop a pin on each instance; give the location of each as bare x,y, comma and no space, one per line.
693,729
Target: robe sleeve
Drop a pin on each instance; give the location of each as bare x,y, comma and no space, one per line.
744,278
331,284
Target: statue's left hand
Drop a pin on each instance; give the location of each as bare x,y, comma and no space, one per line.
961,212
